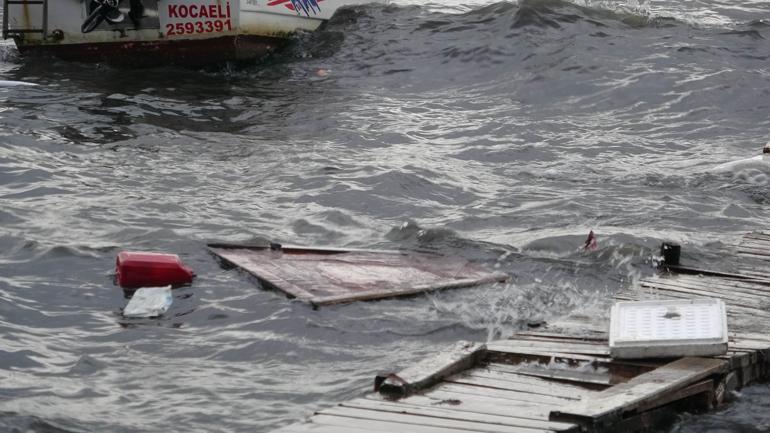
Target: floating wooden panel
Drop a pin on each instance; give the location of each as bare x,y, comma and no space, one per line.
329,276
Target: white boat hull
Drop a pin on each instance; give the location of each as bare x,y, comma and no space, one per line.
169,31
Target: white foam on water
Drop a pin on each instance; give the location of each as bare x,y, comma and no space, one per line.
13,83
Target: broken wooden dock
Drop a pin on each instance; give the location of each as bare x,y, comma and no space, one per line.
324,276
561,378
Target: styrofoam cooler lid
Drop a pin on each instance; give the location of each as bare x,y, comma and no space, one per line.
149,302
668,323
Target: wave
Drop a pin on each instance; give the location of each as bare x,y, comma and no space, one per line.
374,31
397,40
10,421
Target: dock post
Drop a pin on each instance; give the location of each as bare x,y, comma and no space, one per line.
670,252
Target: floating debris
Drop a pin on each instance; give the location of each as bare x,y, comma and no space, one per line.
149,302
323,276
140,269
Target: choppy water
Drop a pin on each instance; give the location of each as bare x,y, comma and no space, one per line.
502,132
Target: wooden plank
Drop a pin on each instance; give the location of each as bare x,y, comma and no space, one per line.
754,253
737,294
661,418
461,388
408,420
621,369
734,301
754,256
509,417
751,248
685,270
505,347
569,323
754,250
369,425
758,240
597,377
756,346
461,356
309,427
759,234
596,329
749,336
521,356
754,272
641,390
580,336
751,285
564,339
522,408
539,383
583,319
736,359
745,306
703,387
556,346
479,404
724,285
755,245
519,387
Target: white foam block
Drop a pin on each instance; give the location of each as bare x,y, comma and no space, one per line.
149,302
670,328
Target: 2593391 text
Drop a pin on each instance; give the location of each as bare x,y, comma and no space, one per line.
195,27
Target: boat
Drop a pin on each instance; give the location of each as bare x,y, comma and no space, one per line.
160,32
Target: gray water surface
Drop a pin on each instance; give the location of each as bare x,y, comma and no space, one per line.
499,132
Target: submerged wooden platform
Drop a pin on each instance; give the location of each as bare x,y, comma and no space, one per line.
323,276
561,378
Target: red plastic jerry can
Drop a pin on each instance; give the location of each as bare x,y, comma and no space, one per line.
138,269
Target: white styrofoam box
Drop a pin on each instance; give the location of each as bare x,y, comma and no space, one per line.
670,328
149,302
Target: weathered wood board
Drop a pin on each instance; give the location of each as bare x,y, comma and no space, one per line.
461,356
640,390
331,276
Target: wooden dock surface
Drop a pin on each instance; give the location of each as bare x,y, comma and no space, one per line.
560,378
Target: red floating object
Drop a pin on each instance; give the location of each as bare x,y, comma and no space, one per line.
137,269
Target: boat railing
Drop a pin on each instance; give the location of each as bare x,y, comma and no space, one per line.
15,32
